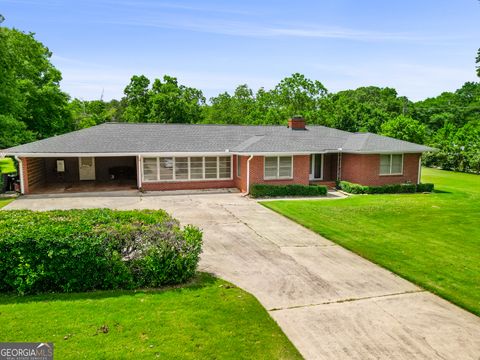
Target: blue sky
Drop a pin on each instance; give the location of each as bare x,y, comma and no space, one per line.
419,47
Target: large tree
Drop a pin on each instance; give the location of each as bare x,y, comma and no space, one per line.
30,87
165,101
136,99
170,102
364,109
238,108
478,62
404,128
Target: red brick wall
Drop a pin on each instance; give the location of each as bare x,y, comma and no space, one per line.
189,185
33,170
365,169
301,169
241,181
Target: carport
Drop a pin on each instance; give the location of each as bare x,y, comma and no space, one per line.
60,174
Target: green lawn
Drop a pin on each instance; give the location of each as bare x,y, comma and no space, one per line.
4,202
209,319
430,239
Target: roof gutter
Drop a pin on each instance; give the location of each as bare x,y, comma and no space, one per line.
217,153
248,175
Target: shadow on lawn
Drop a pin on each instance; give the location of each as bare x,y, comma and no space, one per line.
435,191
201,280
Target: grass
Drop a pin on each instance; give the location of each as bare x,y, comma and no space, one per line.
209,319
7,166
432,240
4,202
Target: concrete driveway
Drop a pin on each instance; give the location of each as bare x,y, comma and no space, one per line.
331,303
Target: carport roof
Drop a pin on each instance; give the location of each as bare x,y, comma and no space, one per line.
133,139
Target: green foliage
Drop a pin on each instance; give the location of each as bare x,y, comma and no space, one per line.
353,188
14,132
30,90
265,190
293,95
81,250
459,148
90,113
404,128
136,96
363,109
478,62
425,187
170,102
165,102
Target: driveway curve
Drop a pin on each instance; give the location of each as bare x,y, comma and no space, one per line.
331,303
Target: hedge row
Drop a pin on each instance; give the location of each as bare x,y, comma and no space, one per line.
384,189
265,190
81,250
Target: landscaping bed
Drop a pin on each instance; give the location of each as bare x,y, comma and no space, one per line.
82,250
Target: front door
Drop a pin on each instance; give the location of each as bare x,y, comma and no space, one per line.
316,167
86,168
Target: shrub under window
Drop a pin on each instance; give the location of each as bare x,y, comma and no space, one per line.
353,188
266,190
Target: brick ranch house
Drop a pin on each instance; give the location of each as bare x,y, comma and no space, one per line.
173,157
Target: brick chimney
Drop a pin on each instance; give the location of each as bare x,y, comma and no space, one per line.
296,123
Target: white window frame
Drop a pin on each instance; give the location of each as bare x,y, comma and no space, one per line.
278,177
189,175
391,162
312,164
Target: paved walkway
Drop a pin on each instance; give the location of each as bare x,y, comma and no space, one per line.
331,303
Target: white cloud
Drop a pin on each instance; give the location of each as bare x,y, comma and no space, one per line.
416,81
253,29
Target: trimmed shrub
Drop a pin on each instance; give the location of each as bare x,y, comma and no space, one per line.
351,188
384,189
81,250
427,187
265,190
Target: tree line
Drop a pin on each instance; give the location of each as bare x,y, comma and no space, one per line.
33,106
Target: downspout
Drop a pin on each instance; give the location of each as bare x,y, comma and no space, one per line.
248,175
20,173
419,169
339,164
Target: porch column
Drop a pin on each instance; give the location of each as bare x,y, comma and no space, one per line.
139,172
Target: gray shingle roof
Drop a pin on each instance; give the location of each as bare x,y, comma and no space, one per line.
114,138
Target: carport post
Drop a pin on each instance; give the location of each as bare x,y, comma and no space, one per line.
139,172
20,174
